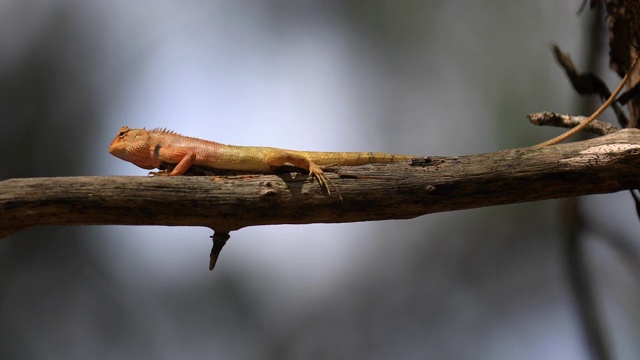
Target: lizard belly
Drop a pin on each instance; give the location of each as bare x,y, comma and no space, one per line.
238,158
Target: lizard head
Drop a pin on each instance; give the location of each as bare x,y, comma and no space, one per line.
133,145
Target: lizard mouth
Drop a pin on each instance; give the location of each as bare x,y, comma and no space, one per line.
116,151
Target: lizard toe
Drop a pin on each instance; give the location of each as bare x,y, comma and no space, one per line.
325,183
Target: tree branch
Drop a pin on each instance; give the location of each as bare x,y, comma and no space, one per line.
371,192
570,121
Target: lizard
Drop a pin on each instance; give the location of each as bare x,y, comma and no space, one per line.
159,147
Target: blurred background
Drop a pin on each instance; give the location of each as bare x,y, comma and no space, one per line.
415,77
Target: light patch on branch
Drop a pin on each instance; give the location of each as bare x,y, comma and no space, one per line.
610,148
600,154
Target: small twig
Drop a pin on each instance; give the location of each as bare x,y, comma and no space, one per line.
219,240
570,121
593,116
588,83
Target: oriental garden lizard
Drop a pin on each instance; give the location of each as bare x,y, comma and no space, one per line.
156,148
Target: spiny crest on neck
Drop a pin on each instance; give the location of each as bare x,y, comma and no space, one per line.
163,131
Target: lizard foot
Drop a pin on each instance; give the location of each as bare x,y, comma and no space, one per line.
158,173
325,183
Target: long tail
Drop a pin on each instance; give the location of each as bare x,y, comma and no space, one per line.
352,158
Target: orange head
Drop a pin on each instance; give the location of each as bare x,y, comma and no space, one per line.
134,146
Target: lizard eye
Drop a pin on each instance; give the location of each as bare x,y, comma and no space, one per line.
123,131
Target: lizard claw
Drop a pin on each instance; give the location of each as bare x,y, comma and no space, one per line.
325,183
158,173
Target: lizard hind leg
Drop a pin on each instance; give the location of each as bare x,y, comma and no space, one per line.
282,158
325,183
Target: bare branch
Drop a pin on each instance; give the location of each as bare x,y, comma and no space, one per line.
570,121
371,192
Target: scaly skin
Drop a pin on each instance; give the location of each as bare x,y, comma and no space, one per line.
149,149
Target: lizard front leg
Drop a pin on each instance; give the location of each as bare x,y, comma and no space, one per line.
186,160
277,159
